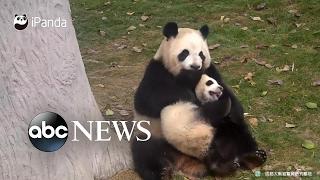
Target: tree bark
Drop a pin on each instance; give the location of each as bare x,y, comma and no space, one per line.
41,69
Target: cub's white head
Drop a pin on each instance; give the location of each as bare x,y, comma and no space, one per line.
208,89
184,49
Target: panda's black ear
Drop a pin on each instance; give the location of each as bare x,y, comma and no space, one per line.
204,31
25,15
15,15
170,30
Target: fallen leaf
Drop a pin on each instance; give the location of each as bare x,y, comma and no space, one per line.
264,93
299,24
226,20
294,46
107,3
122,46
316,83
244,46
214,46
270,120
256,18
244,28
298,109
104,18
290,125
308,144
102,33
248,77
284,69
221,18
131,28
109,112
144,18
130,13
261,6
272,20
262,46
269,66
311,105
123,112
262,63
100,85
253,121
137,49
275,82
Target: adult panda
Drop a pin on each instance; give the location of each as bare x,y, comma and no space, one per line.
169,85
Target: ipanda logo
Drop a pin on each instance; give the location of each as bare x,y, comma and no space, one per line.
48,131
20,22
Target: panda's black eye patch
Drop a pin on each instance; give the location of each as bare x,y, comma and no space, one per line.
183,55
209,82
18,18
202,56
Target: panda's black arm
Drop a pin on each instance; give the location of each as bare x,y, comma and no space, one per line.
157,90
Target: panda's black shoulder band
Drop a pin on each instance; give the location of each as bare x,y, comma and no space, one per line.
170,30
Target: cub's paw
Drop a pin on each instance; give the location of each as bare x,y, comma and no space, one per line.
253,159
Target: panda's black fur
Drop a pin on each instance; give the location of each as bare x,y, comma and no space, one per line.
154,158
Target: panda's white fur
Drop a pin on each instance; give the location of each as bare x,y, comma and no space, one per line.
189,39
184,127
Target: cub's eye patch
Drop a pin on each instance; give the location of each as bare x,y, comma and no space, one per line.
18,18
209,82
183,55
202,56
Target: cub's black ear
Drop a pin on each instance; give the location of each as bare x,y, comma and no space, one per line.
204,31
25,15
15,15
170,30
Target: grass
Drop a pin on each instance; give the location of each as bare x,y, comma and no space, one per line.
120,70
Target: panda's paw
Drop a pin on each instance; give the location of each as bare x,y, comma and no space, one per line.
253,159
261,154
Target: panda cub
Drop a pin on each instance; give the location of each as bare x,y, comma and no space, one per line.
193,133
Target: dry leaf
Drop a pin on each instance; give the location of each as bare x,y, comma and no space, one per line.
262,63
290,125
137,49
123,112
130,13
109,112
144,18
294,46
244,28
102,33
298,109
261,6
244,46
214,46
253,121
316,83
272,20
122,46
100,85
226,20
131,28
275,82
256,18
221,18
262,46
249,76
269,66
104,18
284,69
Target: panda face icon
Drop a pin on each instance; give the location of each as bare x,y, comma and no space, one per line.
20,22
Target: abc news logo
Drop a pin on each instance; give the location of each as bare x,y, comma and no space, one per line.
48,131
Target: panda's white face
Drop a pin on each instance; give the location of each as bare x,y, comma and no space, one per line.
188,50
208,89
20,22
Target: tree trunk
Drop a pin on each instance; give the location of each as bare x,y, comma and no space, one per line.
41,70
